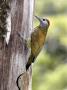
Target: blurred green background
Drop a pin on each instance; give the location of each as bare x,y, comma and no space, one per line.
50,68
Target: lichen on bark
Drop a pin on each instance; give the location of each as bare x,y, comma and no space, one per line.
4,8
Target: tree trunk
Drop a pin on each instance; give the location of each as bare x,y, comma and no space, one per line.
14,56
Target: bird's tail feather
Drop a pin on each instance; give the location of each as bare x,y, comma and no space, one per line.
30,61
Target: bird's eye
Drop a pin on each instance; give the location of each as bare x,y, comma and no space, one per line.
43,19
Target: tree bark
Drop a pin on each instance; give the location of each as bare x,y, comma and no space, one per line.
14,56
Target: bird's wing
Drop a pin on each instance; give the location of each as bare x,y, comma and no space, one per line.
35,42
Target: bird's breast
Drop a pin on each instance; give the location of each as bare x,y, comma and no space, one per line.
41,37
37,41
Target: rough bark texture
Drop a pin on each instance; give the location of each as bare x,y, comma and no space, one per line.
13,57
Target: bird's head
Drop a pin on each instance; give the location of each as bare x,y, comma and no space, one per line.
44,23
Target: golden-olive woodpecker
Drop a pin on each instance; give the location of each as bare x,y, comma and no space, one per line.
38,40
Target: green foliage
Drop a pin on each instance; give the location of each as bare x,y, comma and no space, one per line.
55,80
51,7
50,68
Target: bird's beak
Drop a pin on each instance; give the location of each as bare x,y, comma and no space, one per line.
39,18
43,24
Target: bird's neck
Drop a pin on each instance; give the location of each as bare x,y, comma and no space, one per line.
43,29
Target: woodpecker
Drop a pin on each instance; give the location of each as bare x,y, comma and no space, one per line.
38,39
37,42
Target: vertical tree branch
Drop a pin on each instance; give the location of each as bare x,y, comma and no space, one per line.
13,58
